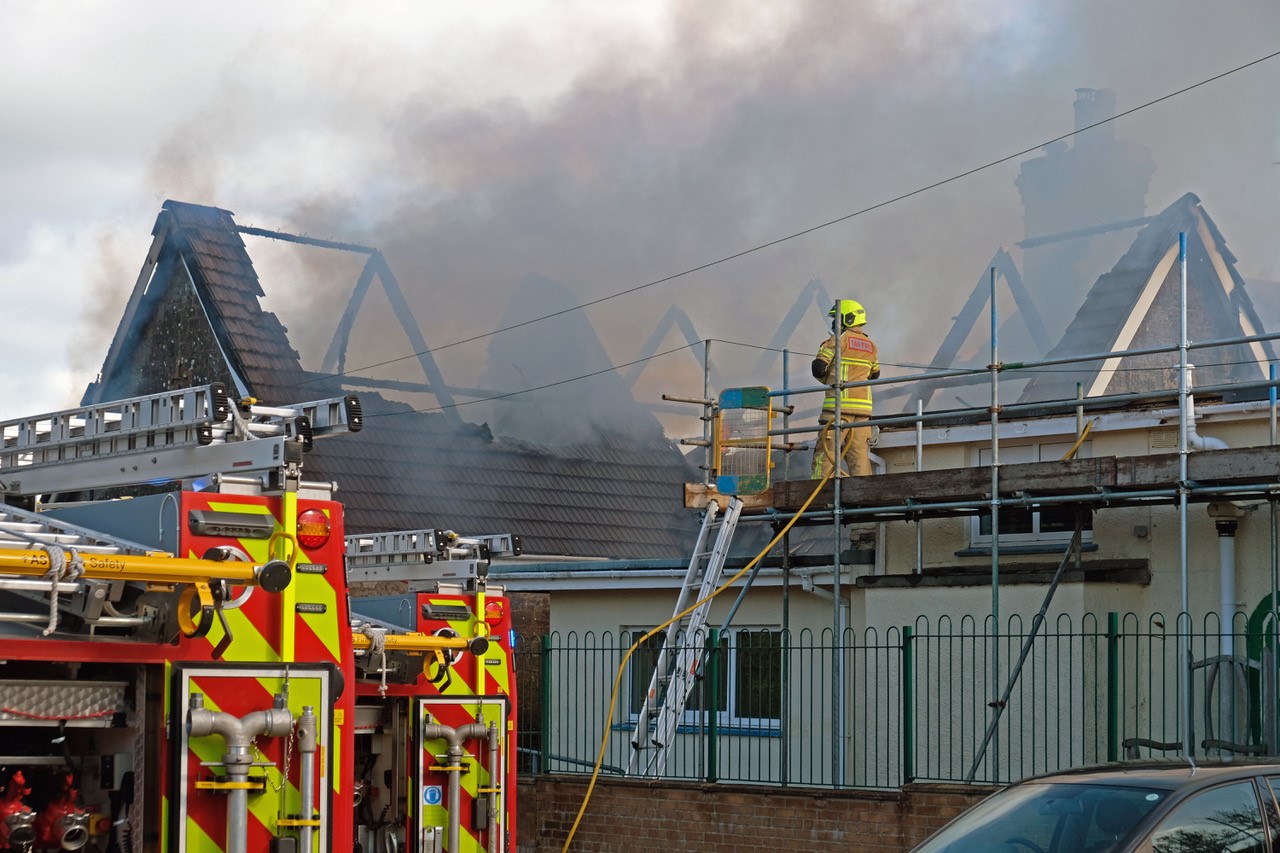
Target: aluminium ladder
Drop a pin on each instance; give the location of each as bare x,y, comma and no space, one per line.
90,599
165,436
426,558
682,648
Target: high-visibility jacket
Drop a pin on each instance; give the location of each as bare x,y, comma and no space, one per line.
858,361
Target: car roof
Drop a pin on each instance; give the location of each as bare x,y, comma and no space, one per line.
1167,775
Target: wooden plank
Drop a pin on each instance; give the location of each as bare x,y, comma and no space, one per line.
1067,477
1108,474
1207,467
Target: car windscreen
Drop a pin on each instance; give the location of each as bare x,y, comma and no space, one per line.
1048,818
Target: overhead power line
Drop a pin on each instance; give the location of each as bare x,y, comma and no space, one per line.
611,369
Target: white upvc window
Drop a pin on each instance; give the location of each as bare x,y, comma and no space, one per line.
1019,525
749,692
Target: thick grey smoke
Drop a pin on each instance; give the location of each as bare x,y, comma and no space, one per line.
753,124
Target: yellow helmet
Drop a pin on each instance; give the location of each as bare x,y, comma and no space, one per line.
851,313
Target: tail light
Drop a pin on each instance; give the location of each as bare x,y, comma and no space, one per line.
313,529
494,611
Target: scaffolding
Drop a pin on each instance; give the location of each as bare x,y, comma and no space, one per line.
848,500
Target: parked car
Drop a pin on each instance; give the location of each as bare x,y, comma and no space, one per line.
1152,807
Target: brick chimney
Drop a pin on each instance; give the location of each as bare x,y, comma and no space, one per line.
1095,180
1093,106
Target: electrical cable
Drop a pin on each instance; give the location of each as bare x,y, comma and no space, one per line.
813,228
912,366
612,369
617,681
905,378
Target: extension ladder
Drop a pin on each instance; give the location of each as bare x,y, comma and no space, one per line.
425,558
682,649
166,436
25,531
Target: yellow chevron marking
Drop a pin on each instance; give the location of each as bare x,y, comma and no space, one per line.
248,642
198,841
206,749
501,673
315,589
439,816
164,821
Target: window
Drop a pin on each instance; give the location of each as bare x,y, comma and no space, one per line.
749,682
1018,525
1225,818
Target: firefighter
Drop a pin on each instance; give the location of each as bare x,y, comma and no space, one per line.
857,361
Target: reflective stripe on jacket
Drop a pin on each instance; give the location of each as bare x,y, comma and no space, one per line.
857,361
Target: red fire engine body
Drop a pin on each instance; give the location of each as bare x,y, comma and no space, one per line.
182,671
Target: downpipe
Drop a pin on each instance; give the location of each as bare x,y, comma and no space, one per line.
1226,517
1226,552
454,738
238,733
1195,441
879,567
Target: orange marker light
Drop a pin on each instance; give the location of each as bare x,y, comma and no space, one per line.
494,611
313,529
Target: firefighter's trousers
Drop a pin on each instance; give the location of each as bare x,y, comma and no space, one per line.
856,440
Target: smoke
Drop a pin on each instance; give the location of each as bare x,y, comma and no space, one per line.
720,127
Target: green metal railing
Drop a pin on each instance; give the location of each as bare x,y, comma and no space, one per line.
917,699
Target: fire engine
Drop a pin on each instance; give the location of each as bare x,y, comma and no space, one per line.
181,671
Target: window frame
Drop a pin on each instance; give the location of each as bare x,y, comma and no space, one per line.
726,717
1040,451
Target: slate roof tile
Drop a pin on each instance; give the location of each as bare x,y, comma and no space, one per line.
619,498
1114,297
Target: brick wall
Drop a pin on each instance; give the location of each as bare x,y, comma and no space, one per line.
635,816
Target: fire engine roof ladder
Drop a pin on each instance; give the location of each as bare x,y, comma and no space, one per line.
21,530
160,437
682,647
426,559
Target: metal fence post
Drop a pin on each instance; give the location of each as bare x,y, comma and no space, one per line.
544,722
712,704
908,707
1113,686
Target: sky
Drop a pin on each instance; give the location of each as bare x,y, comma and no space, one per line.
599,146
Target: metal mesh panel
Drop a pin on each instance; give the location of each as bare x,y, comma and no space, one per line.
23,701
742,441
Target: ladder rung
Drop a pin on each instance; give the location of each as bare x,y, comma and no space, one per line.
681,652
167,436
28,528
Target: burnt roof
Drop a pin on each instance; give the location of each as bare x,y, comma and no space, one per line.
195,317
1137,305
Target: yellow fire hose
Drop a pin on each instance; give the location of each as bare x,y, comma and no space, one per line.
200,602
423,643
